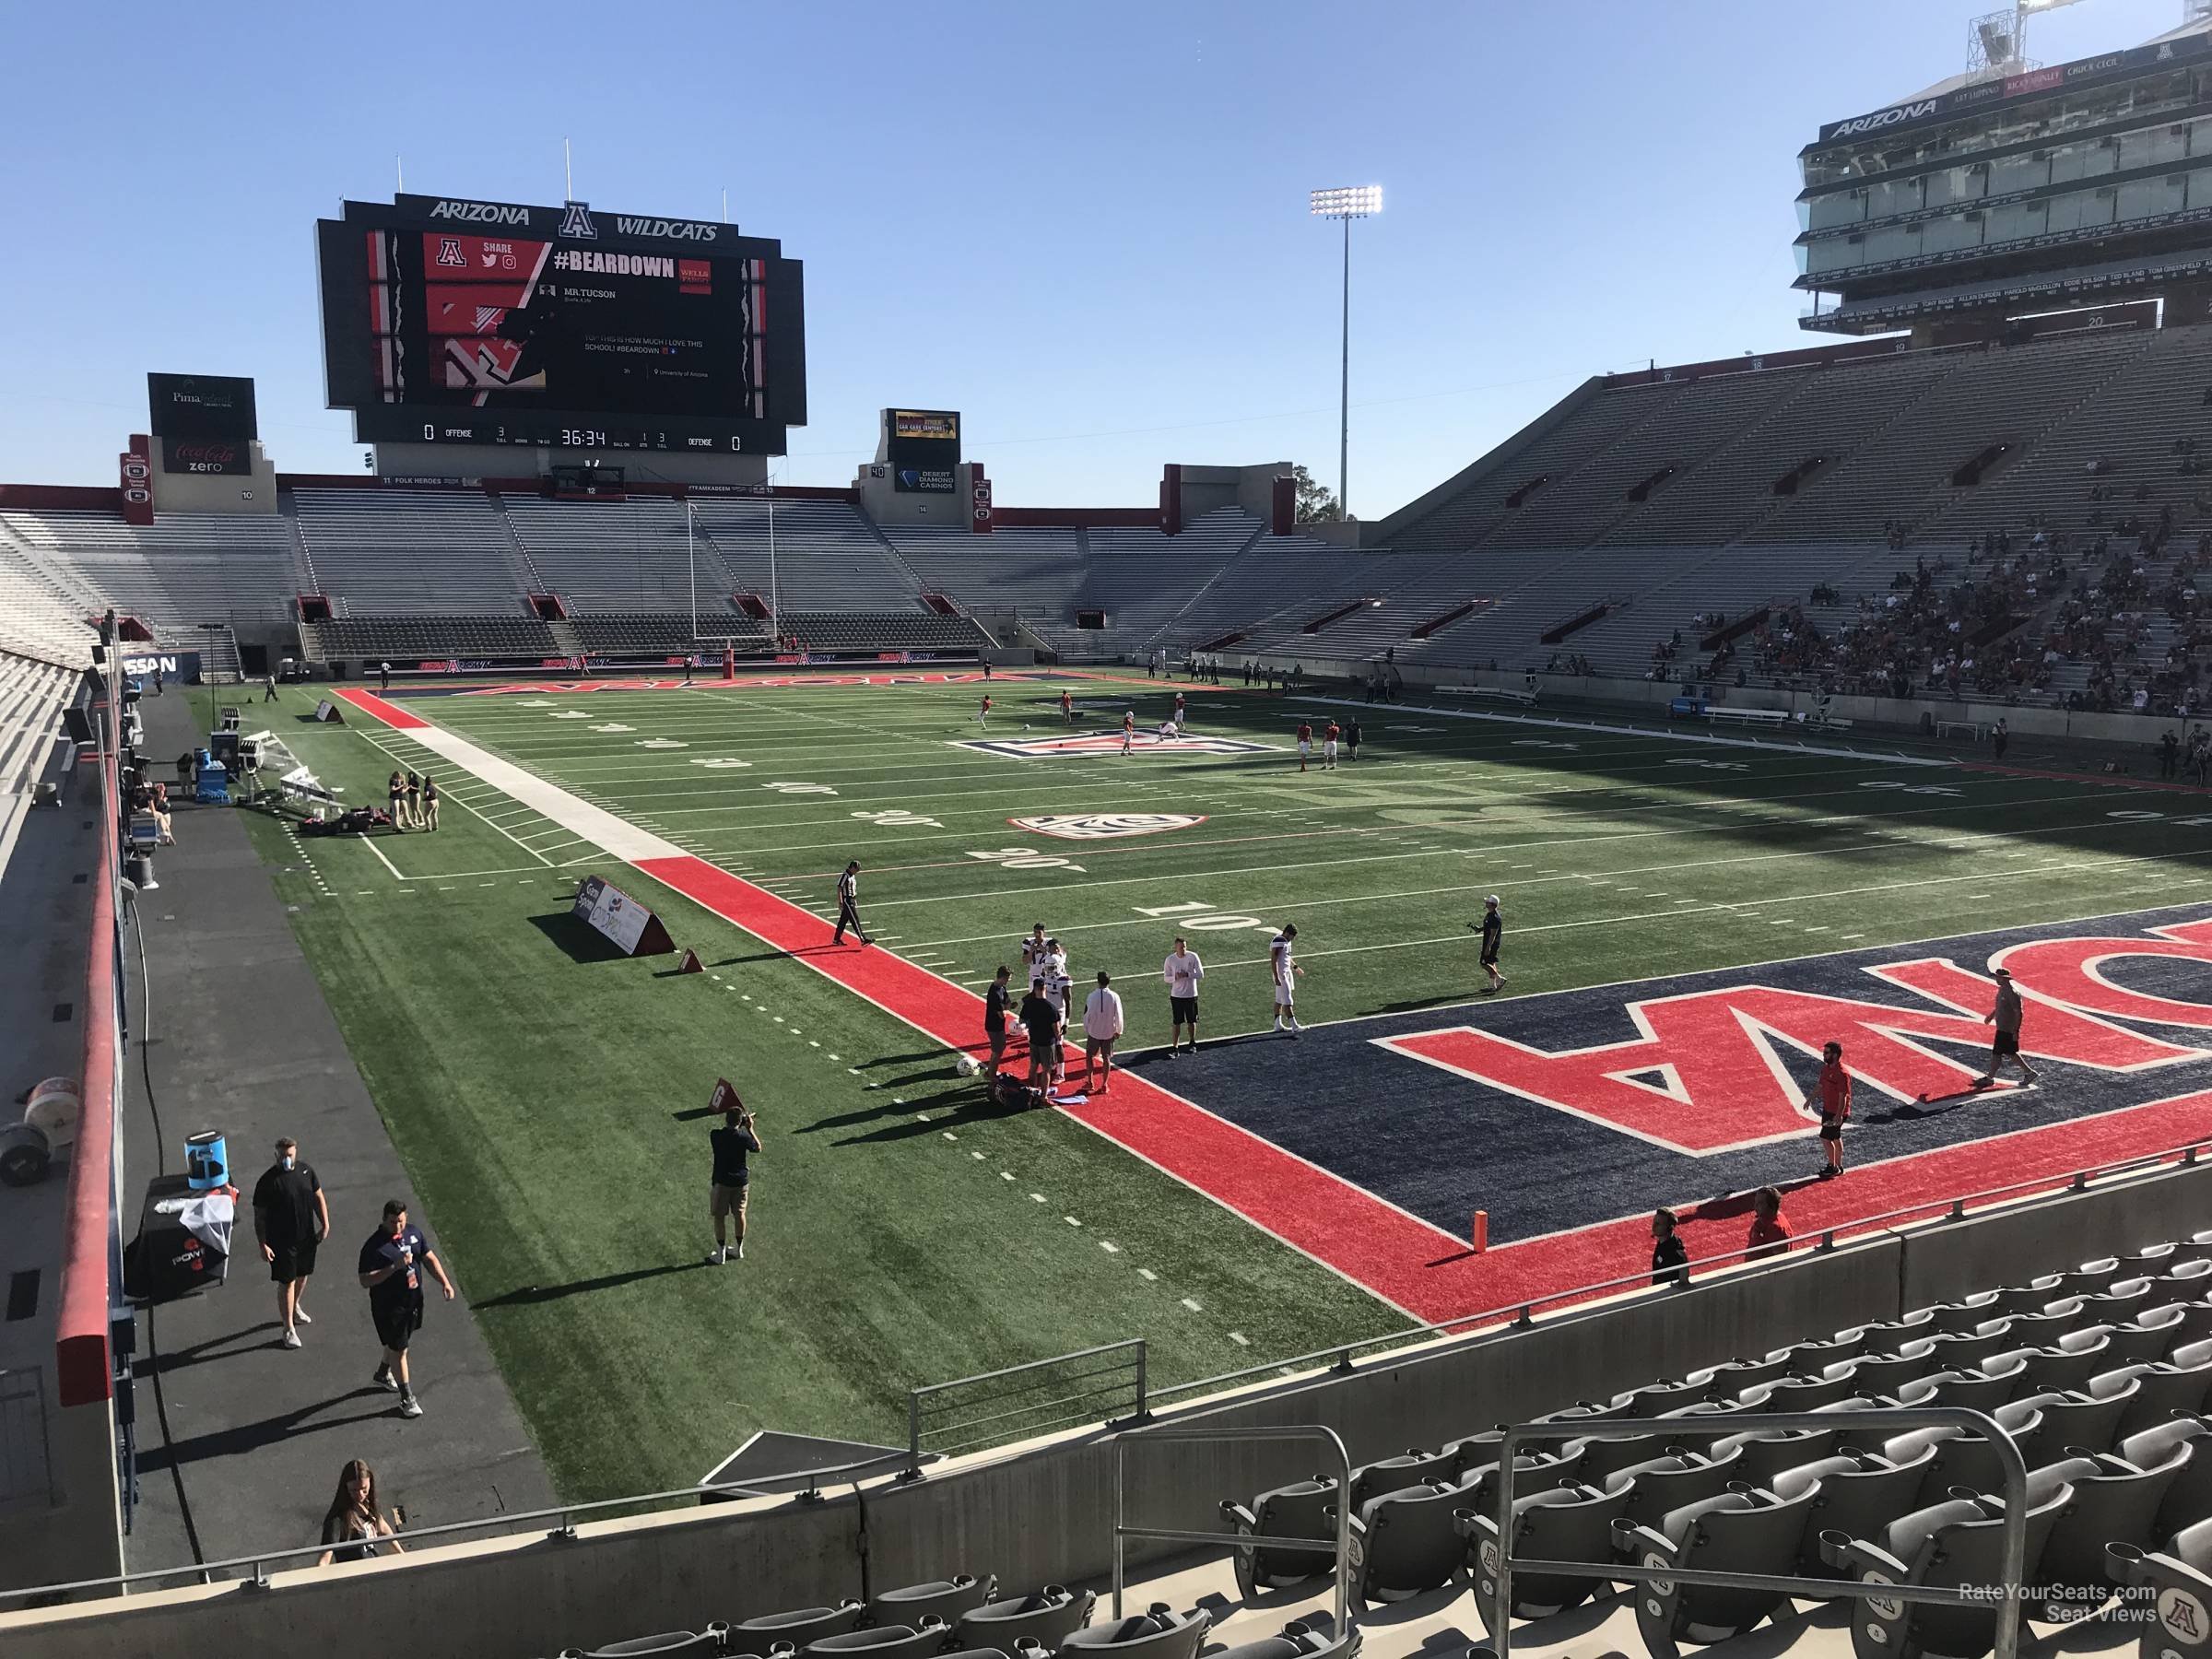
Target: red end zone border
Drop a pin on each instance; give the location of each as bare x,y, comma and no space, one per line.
1420,1269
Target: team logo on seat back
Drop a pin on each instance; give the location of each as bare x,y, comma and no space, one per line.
1106,826
1722,1067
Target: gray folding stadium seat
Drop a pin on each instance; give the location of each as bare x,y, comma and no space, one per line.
2184,1281
2131,1338
2043,1367
1568,1523
1802,1393
1818,1352
1762,1454
1602,1459
1853,1436
1159,1633
2122,1301
1962,1459
1657,1399
1854,1493
2152,1259
1957,1351
2072,1421
2178,1579
1884,1373
1409,1469
1532,1471
948,1599
877,1642
1405,1542
1890,1334
671,1644
1967,1314
2162,1389
1956,1544
797,1627
1299,1640
1303,1509
2114,1502
2195,1323
2189,1499
2035,1297
2040,1328
1667,1483
1739,1531
1046,1617
1971,1389
2091,1278
1731,1379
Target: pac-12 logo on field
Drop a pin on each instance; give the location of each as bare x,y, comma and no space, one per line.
1109,743
1106,826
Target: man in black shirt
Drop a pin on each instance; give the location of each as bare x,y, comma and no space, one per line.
1040,1017
291,1218
734,1143
1670,1256
997,1004
1492,926
391,1271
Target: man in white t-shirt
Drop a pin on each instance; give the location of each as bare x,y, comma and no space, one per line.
1287,973
1183,970
1179,710
1102,1025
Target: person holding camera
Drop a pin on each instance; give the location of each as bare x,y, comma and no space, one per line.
734,1143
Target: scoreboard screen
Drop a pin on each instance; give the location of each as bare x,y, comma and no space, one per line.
205,422
449,321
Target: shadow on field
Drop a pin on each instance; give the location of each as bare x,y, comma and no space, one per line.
975,1108
777,955
580,943
284,1426
531,1295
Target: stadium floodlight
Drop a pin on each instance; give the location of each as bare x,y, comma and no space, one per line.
1345,202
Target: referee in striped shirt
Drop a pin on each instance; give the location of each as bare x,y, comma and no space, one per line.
848,905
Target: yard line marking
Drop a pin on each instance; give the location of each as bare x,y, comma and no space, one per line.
1037,1198
1192,1303
1071,1220
1148,1273
1110,1247
1240,1339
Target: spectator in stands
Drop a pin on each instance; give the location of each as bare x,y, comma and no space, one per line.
355,1527
1670,1256
1770,1234
1101,1028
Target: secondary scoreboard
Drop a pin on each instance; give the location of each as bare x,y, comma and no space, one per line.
452,321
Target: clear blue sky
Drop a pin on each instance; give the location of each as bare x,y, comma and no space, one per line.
1084,225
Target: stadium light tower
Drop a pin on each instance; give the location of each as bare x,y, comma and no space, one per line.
1345,202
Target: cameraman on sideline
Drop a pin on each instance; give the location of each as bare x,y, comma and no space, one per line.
733,1142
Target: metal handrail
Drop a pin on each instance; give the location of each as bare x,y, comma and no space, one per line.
1342,1543
2013,1565
1521,1313
914,1397
563,1516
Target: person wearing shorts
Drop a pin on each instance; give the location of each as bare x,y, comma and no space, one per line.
1492,928
1351,739
291,1217
1040,1019
982,715
1067,709
391,1271
395,797
1328,745
1183,970
1835,1109
414,802
1128,729
1305,743
2006,1044
429,802
733,1144
1101,1028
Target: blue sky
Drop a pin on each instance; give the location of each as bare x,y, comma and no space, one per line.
1083,225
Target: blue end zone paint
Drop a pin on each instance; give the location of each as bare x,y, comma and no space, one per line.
1440,1145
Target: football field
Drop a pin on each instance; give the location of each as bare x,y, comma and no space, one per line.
1684,922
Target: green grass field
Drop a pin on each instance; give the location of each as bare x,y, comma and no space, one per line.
534,1090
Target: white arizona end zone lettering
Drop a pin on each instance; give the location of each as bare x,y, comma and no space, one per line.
1704,1073
1105,825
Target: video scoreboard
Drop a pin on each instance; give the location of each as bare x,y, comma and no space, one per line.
452,321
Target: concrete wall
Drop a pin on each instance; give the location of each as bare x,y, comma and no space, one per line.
1207,489
1041,1513
886,503
503,461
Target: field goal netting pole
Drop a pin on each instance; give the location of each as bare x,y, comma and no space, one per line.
729,642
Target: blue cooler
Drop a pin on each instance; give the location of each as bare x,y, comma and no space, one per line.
207,1162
